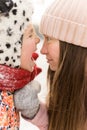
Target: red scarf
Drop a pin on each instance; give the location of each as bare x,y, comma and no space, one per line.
15,78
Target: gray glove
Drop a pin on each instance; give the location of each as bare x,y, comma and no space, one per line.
26,99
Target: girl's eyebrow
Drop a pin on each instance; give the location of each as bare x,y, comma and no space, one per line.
31,30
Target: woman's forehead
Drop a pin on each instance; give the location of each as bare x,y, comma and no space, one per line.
52,38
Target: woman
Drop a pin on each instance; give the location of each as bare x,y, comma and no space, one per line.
64,27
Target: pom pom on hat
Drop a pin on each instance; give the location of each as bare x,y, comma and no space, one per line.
66,20
15,16
5,6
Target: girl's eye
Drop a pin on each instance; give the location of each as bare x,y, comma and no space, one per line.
30,35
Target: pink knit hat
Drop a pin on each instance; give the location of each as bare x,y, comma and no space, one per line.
66,20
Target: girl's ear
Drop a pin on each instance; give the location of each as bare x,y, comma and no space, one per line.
5,6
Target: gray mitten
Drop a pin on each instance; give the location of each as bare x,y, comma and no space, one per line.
26,99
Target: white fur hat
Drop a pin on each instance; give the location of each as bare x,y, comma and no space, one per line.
66,20
15,16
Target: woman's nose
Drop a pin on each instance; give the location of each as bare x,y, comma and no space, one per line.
44,49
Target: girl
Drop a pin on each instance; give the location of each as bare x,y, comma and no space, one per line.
16,63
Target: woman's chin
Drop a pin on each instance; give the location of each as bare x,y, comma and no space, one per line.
52,68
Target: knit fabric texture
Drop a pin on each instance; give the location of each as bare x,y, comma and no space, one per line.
26,99
66,20
15,15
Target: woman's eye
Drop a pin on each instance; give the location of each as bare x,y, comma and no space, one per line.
48,38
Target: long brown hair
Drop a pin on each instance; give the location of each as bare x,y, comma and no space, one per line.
68,89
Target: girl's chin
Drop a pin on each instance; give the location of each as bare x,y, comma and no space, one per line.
31,68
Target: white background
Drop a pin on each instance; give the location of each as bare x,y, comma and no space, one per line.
41,62
39,7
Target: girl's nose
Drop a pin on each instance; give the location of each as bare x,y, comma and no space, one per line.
37,39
